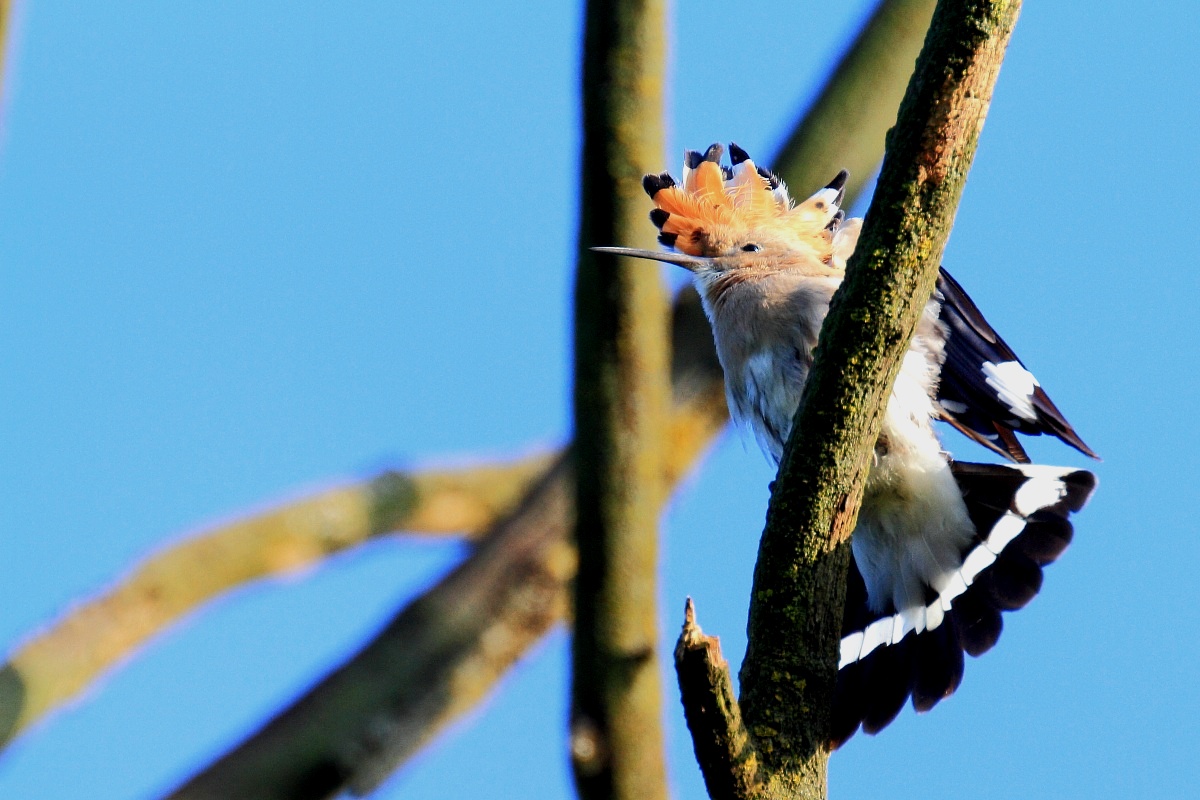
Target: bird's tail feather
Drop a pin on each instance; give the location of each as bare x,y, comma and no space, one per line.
1021,517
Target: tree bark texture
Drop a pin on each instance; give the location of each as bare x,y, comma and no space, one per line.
795,619
723,746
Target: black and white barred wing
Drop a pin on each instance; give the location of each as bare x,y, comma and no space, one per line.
985,390
1021,521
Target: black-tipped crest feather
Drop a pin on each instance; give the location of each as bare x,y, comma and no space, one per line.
839,184
653,184
768,176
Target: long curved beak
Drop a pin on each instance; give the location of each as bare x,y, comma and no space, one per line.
690,263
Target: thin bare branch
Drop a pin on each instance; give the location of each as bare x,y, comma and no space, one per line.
726,755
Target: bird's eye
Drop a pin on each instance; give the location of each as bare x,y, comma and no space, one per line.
751,248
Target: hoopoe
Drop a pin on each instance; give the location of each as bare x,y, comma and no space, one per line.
941,547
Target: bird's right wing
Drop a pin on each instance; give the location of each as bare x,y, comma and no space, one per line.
985,390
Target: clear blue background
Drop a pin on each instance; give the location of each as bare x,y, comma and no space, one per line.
253,248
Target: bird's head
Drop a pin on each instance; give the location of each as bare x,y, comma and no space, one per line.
739,221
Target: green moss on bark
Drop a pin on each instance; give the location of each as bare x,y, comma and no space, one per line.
799,584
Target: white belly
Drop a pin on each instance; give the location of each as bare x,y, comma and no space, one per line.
913,524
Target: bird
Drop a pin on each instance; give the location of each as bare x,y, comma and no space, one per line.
941,547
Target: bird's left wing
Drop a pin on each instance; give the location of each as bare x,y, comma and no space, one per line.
985,390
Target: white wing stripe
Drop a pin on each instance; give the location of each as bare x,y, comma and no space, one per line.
1014,386
1038,493
1004,531
1043,487
976,562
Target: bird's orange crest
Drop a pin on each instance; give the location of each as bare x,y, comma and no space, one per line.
717,209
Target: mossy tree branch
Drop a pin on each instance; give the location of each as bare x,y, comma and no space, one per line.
790,667
621,399
859,101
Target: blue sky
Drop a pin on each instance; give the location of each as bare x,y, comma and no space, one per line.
251,249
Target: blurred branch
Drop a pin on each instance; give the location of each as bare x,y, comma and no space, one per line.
57,664
54,666
621,402
845,126
345,732
790,667
291,738
443,653
5,17
5,32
